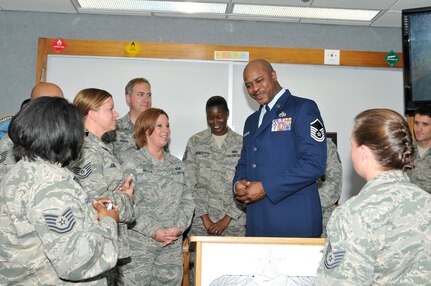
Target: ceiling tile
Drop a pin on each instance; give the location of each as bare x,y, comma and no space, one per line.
407,4
388,19
274,2
59,6
355,4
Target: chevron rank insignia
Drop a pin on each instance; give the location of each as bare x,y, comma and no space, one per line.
317,131
333,258
60,224
83,173
3,156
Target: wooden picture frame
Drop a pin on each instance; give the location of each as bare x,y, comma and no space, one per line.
263,260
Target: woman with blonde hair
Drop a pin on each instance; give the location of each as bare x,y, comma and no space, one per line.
382,236
97,169
163,206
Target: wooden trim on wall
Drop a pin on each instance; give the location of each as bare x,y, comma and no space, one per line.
203,52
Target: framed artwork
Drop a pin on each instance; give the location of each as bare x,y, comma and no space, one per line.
255,261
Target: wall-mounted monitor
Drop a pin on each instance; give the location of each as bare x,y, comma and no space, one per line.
416,36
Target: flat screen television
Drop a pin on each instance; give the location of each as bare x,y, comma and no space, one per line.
416,37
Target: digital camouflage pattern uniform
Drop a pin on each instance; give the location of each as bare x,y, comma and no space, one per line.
125,137
48,235
100,173
210,171
421,174
7,160
382,236
163,200
330,188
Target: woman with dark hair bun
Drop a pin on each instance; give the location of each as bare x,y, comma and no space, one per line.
382,236
48,236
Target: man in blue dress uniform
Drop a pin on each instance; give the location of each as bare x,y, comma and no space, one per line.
283,154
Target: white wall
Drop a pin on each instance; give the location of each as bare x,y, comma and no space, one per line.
182,88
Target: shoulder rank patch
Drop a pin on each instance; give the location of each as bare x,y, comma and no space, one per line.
317,132
333,258
3,156
60,224
83,173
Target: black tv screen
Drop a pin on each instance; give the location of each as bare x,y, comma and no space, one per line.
416,35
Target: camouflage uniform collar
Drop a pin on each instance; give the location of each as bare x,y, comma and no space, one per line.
93,139
46,164
149,157
391,176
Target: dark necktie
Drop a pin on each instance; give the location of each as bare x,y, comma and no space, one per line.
267,109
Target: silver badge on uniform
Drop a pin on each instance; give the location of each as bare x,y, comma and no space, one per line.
333,258
317,131
282,114
60,224
83,173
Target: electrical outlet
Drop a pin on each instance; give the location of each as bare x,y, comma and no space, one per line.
332,57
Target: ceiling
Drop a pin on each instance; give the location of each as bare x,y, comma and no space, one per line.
389,16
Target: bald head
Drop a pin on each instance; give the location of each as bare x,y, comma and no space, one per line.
261,64
46,89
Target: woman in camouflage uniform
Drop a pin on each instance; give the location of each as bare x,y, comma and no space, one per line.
48,236
97,169
382,236
210,158
163,207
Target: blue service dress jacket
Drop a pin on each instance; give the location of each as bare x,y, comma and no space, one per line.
287,153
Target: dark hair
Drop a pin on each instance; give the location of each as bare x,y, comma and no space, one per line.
49,128
424,110
146,122
388,135
24,103
216,101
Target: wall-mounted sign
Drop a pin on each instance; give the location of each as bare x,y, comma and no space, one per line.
59,45
231,56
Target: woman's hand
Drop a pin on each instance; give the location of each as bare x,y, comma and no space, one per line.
102,212
167,236
127,188
218,227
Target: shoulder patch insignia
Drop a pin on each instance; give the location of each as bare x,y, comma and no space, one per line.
317,131
60,224
333,258
83,173
3,156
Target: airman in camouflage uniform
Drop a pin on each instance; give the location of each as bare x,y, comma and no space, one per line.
48,235
7,160
100,174
330,187
210,171
380,237
138,97
125,138
163,200
421,174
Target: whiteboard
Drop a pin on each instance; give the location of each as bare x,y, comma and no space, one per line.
182,87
